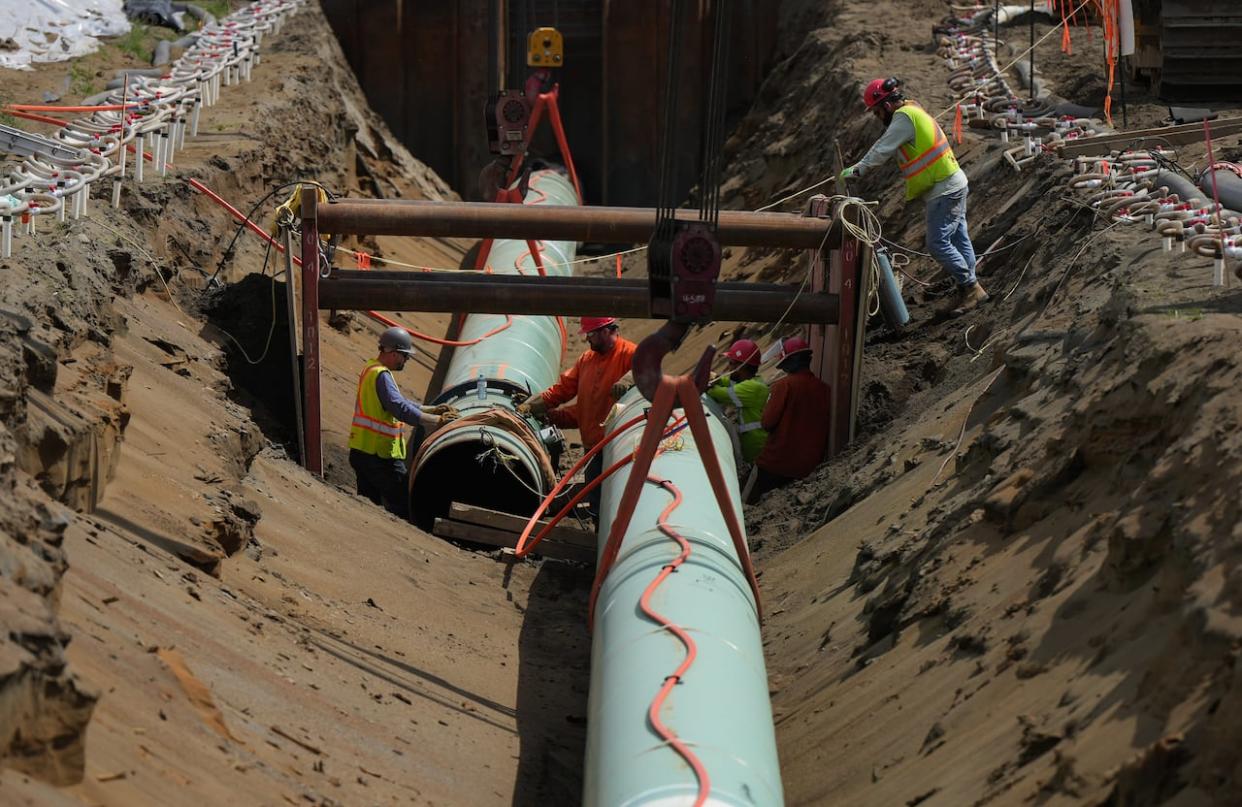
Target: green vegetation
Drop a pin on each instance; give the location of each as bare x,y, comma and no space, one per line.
1192,314
136,44
81,79
217,8
6,118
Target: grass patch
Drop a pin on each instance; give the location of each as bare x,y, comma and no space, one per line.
81,79
136,43
6,118
1192,314
217,8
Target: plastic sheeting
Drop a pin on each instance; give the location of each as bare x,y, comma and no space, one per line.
55,30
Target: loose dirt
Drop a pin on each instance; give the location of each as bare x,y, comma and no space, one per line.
1019,584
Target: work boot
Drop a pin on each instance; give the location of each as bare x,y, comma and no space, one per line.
968,297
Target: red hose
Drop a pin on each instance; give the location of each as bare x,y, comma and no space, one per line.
522,550
653,713
53,108
590,486
40,118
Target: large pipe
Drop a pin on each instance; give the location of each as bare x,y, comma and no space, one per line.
720,708
348,290
501,463
608,225
1228,185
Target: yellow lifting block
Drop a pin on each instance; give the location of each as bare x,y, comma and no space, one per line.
545,47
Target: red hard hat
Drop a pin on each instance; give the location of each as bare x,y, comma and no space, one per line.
595,323
792,345
743,351
879,90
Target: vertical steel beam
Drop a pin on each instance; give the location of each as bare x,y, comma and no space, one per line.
846,265
820,334
313,458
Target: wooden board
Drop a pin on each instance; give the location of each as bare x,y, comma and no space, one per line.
1175,135
511,523
474,533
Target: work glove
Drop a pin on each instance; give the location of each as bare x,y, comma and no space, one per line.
535,408
442,409
620,388
447,417
848,173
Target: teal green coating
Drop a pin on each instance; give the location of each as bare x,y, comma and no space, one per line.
720,709
528,352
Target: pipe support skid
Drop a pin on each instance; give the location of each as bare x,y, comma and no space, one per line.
491,464
720,708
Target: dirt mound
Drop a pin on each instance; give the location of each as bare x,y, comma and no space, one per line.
1016,585
43,708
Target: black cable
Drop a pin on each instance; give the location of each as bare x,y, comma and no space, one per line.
241,225
717,102
1032,50
665,204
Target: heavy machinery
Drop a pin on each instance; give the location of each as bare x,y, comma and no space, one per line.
1188,47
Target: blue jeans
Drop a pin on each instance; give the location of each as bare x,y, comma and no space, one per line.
947,237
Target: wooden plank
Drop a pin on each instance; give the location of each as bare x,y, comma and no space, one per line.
1186,133
474,533
507,521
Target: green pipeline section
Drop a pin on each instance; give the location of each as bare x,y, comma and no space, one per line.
491,465
720,708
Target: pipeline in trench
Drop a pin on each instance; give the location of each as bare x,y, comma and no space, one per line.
492,457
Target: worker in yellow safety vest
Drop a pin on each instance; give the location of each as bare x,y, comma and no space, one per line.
376,443
746,392
931,172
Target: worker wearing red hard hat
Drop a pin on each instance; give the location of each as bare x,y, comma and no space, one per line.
743,390
796,420
595,381
931,172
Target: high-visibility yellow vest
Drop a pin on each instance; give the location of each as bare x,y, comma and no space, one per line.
373,430
930,159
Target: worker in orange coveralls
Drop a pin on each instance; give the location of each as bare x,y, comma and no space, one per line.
796,418
596,382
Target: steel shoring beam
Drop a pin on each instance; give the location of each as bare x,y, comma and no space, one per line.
564,296
602,225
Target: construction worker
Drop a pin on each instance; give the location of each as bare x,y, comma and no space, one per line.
796,420
376,444
931,171
743,390
596,381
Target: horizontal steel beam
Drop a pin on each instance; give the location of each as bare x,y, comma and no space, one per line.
602,225
353,290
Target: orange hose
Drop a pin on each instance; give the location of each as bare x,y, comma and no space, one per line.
40,118
592,485
670,681
54,108
522,550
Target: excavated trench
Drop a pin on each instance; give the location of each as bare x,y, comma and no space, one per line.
251,318
1019,585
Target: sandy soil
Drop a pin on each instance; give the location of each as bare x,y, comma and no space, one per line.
215,597
1019,585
